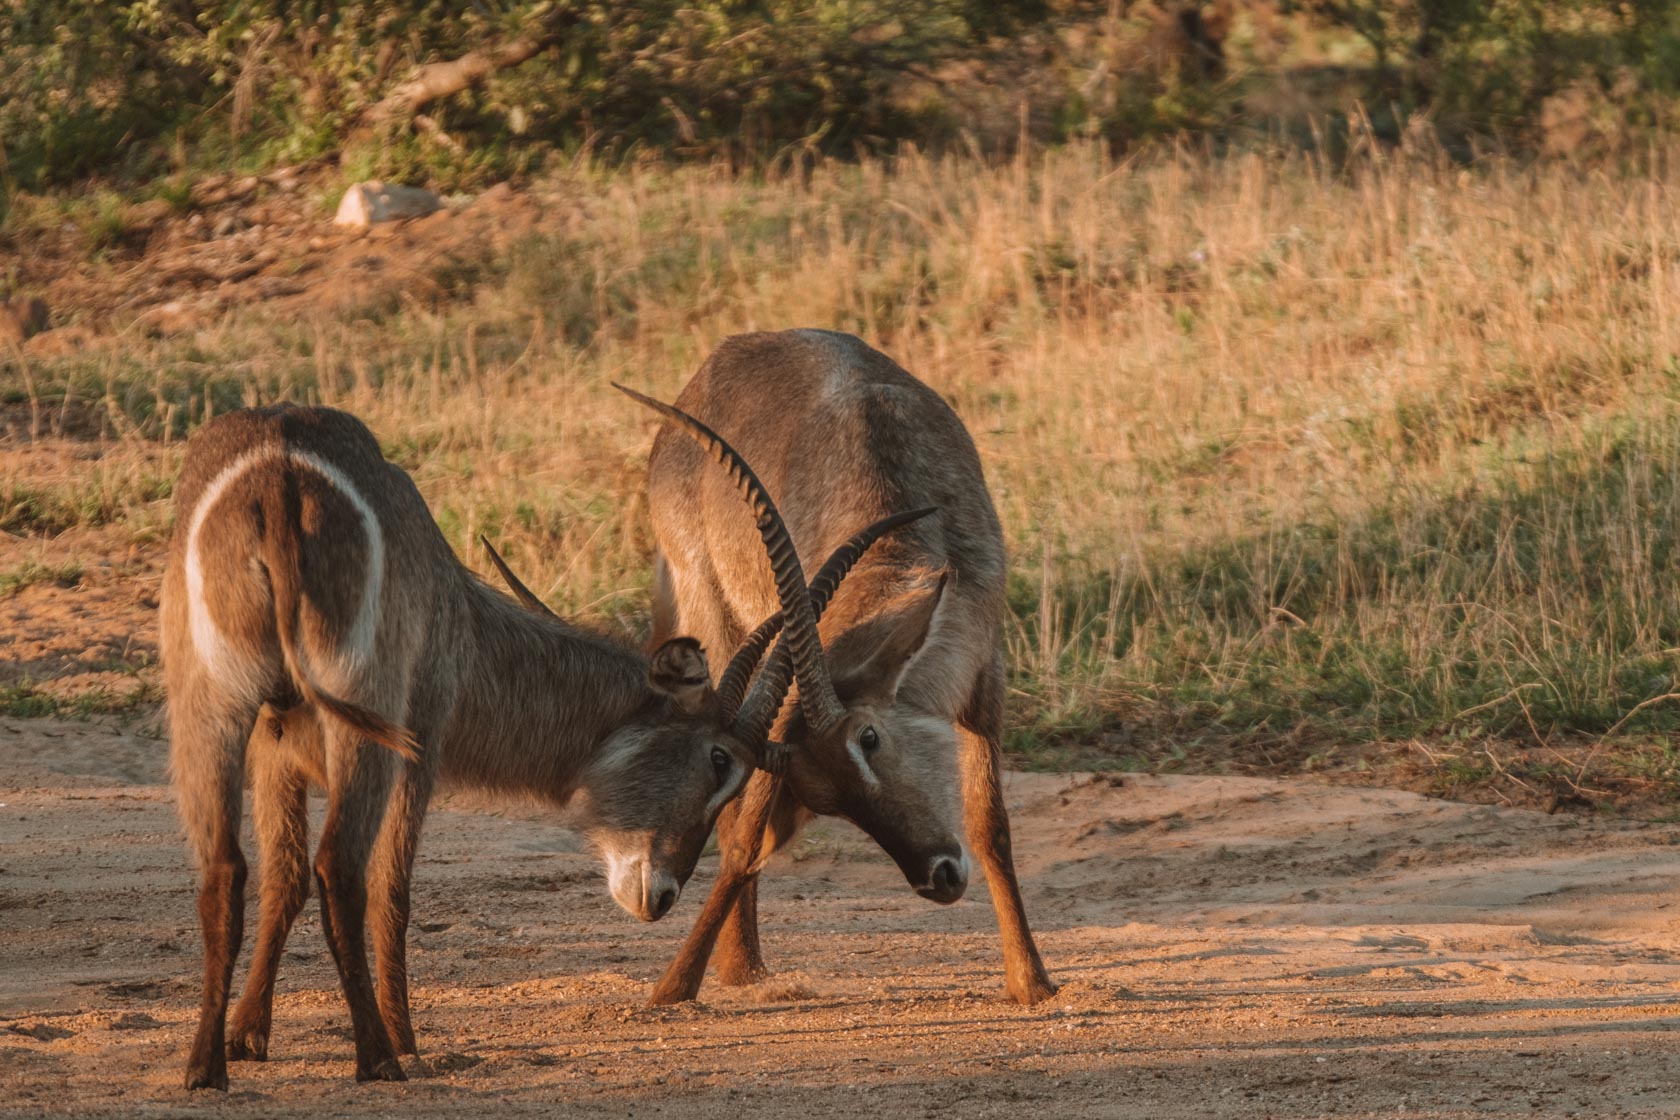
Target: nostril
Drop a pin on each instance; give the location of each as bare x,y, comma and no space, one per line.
946,881
667,899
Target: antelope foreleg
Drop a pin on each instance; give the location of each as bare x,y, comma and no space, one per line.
743,850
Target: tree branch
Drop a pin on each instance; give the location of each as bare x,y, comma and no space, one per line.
436,80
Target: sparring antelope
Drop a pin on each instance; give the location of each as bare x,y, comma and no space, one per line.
900,695
318,631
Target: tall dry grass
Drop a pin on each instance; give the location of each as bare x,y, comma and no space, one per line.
1283,452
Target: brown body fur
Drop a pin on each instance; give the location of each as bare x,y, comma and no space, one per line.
841,435
478,691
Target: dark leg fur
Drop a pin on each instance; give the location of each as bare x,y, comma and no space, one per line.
388,902
280,812
988,829
740,846
740,959
208,760
391,873
221,918
358,784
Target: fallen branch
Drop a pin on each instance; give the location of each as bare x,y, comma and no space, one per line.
1499,769
436,80
1496,700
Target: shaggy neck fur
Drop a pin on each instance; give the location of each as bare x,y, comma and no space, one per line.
523,722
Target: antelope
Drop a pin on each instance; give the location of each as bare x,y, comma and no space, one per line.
900,694
318,631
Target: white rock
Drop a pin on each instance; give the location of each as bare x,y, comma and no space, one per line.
373,201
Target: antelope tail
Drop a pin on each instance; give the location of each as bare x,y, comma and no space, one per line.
282,535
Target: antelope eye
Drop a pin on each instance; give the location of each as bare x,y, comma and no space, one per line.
869,738
722,764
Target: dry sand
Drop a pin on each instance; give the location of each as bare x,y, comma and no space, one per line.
1226,947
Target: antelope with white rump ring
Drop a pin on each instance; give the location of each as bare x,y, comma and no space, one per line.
318,631
899,720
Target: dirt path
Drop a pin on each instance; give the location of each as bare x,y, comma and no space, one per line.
1227,947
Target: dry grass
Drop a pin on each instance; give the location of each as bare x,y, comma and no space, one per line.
1283,454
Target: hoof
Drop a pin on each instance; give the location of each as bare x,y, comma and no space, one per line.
1036,990
387,1070
668,992
248,1046
207,1077
742,977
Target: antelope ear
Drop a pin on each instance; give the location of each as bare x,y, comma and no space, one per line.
869,660
678,670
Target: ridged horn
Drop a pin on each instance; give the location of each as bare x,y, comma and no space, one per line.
524,594
816,690
732,686
769,692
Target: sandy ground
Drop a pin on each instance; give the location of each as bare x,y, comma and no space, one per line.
1226,946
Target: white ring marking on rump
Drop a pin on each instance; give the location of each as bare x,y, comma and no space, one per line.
366,627
208,640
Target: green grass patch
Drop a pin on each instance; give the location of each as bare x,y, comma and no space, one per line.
1534,603
102,499
67,574
27,700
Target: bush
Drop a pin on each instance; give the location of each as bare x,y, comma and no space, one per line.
1553,74
117,87
124,89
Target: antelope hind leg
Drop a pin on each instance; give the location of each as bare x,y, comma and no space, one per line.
280,813
388,902
207,757
358,784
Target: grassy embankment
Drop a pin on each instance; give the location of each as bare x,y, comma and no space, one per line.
1288,459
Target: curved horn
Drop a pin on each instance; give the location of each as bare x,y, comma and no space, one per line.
524,594
732,686
816,691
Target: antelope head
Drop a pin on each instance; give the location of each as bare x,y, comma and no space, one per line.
651,794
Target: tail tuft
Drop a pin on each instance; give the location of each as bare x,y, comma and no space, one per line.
369,724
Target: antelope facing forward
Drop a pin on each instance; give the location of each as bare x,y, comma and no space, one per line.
318,629
898,725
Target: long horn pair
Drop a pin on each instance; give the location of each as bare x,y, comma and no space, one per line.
799,653
732,686
753,723
816,691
